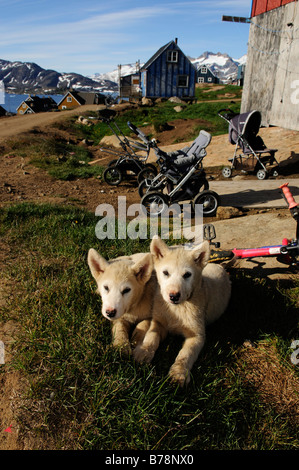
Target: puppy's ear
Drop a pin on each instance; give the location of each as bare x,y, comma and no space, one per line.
143,268
97,264
158,248
201,254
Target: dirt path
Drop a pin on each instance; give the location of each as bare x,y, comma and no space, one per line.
14,125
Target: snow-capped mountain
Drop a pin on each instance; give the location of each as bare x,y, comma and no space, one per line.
222,65
28,77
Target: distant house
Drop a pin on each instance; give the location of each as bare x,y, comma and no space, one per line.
271,80
167,73
73,99
36,104
241,74
205,75
2,111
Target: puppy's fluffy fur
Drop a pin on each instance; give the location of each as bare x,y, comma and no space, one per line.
191,293
127,287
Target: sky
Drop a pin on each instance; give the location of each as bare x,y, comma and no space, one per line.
94,36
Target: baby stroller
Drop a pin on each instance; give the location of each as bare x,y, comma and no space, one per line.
132,158
251,154
181,178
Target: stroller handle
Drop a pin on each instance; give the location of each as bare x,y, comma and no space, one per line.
226,111
138,132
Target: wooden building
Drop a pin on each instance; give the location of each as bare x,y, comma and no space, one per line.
271,83
205,75
36,104
73,99
167,73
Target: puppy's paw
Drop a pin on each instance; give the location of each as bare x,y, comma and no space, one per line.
142,354
179,374
124,348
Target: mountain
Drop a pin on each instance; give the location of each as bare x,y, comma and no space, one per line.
222,65
28,77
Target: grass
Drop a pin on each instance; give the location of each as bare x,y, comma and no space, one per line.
62,160
86,395
159,116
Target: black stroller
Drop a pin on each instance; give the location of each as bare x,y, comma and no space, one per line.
132,157
251,154
181,177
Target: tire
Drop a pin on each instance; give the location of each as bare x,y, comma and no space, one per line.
148,171
143,187
112,163
112,175
261,174
226,172
154,203
210,202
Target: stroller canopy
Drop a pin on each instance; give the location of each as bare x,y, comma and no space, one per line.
246,124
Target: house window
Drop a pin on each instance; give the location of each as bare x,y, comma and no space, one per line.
172,56
201,80
209,79
183,81
204,69
69,99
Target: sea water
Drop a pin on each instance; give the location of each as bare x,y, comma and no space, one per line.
10,101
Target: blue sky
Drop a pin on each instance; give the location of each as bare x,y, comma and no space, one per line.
96,35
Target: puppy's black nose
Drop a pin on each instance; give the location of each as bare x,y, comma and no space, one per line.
175,296
111,312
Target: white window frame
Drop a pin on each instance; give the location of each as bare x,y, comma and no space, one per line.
200,80
209,79
204,69
172,56
186,77
69,99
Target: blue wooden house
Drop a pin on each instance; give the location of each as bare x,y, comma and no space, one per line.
205,75
168,73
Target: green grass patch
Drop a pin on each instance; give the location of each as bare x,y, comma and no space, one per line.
159,116
106,401
59,158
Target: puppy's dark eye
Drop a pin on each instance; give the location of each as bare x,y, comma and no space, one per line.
166,273
106,288
126,290
186,275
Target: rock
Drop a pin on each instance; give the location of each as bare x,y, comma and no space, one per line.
178,109
175,99
228,212
146,101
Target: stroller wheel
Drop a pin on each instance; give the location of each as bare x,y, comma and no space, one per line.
209,201
154,203
149,172
227,172
261,174
144,186
112,175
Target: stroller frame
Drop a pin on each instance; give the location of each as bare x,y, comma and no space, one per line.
129,163
175,181
244,150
